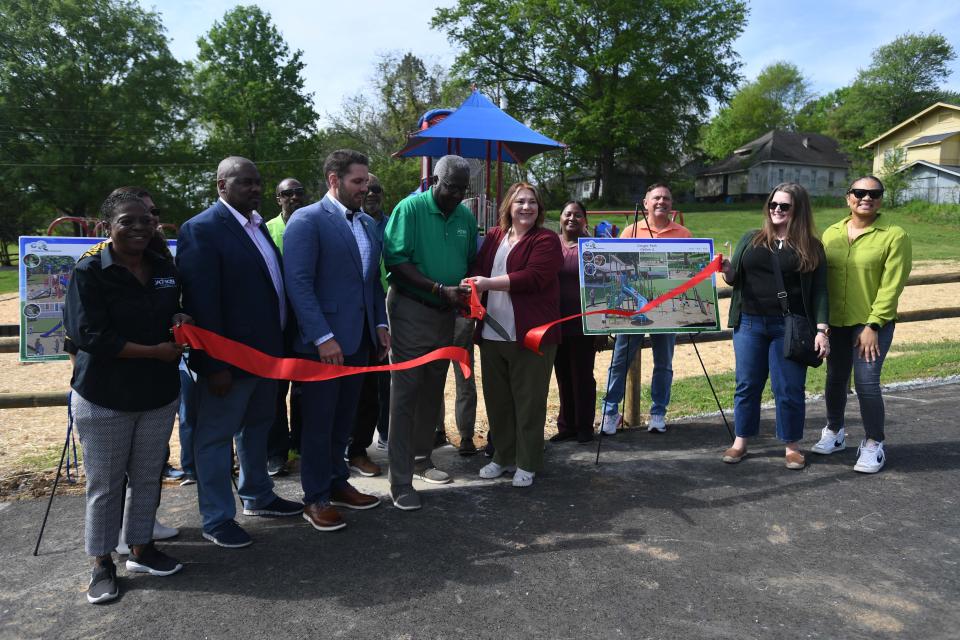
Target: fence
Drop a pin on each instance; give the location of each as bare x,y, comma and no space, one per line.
59,398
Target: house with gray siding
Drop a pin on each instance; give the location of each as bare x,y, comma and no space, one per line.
752,171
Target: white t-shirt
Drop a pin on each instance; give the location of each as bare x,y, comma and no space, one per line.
499,304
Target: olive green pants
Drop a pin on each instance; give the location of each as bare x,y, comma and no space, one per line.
515,385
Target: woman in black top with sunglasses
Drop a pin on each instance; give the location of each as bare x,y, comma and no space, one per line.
757,318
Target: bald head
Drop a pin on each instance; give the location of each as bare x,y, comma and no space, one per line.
238,183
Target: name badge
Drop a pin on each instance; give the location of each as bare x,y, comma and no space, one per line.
164,283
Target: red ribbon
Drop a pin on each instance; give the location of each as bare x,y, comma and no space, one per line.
534,336
298,369
473,309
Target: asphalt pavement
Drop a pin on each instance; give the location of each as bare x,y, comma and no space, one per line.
660,540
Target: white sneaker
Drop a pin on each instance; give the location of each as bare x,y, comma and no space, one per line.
493,470
163,532
831,441
870,457
610,423
657,423
523,478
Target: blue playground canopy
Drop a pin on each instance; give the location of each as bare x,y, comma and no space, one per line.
478,129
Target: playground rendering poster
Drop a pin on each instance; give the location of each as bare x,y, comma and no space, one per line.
626,273
46,266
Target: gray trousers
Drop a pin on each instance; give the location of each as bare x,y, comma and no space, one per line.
415,394
466,405
117,444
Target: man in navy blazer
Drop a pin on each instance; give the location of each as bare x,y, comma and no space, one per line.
233,285
331,255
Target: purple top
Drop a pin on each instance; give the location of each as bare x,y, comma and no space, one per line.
570,290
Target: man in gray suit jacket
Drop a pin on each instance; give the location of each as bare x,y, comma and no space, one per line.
331,260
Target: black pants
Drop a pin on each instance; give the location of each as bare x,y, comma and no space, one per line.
280,441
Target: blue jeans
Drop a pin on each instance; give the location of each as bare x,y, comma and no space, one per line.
244,414
624,351
866,379
188,420
758,347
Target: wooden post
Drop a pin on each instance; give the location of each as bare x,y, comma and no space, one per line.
633,409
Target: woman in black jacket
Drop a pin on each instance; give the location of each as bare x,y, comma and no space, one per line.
756,315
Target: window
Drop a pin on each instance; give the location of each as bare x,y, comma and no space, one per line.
830,179
780,175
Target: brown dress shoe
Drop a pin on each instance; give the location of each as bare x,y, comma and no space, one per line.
795,460
733,456
323,517
364,466
350,498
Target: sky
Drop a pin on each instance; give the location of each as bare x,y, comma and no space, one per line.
829,40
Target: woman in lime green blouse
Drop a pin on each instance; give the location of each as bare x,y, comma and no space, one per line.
868,262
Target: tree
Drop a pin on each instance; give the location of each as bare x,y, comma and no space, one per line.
89,100
623,82
249,100
772,101
894,181
378,122
904,78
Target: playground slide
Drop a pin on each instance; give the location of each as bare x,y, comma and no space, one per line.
637,318
52,331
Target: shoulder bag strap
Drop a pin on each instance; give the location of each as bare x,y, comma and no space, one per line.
781,288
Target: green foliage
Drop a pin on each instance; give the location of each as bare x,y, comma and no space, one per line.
904,78
248,99
622,83
89,100
378,122
772,101
894,182
936,214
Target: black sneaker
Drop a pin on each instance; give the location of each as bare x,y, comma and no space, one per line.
277,466
153,561
278,508
440,440
103,583
171,473
466,447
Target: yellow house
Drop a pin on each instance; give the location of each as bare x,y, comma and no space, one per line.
931,142
932,135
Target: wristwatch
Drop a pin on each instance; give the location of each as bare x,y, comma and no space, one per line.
874,326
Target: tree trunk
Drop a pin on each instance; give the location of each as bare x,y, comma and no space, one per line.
606,175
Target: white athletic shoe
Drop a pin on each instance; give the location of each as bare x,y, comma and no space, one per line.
163,532
610,423
831,441
493,470
657,423
870,457
523,478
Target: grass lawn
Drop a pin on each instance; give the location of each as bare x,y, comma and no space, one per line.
934,231
691,396
8,276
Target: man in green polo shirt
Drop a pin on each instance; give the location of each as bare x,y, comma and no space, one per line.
429,243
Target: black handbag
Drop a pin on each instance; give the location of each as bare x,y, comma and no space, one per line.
798,333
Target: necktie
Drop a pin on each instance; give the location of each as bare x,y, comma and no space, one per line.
350,215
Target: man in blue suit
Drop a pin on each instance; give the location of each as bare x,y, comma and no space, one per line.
331,255
233,285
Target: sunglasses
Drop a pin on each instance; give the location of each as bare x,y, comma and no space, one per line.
859,194
782,206
288,193
155,212
375,188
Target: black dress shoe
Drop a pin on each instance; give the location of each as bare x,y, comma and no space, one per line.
584,438
563,436
466,447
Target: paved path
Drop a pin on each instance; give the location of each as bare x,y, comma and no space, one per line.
661,540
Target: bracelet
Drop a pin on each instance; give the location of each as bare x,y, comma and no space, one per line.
823,331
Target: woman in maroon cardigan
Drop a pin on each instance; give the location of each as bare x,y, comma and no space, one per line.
516,271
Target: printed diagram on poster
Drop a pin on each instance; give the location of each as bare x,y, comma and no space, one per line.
627,273
46,266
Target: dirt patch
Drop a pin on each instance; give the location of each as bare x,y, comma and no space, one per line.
31,439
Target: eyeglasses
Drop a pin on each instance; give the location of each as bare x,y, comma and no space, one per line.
859,194
782,206
374,188
289,193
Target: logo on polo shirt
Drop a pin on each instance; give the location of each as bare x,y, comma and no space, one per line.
461,232
164,283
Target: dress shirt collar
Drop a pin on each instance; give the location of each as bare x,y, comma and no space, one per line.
338,205
254,216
